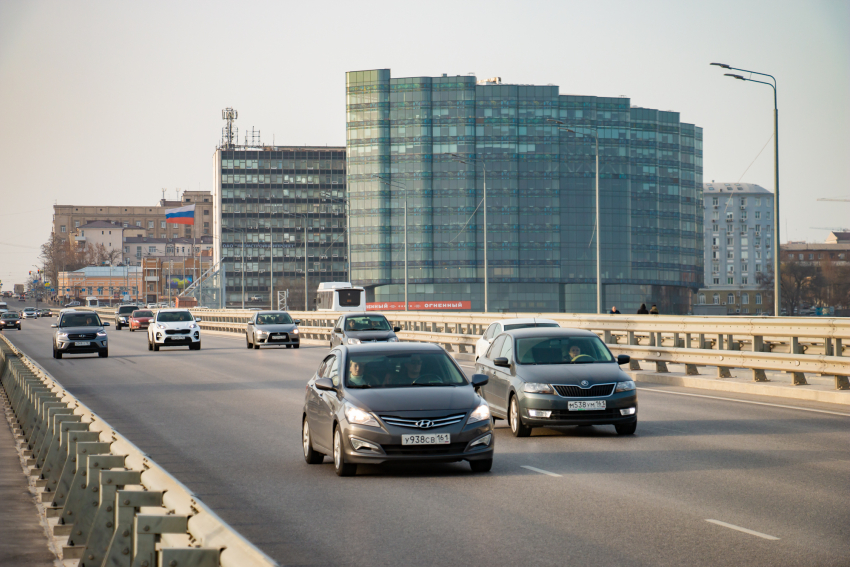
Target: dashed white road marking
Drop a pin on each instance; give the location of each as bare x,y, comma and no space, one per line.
745,401
541,471
745,530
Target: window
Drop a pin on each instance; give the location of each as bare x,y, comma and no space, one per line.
730,254
206,211
758,201
715,254
62,228
702,299
714,228
151,249
508,349
745,254
730,298
150,224
811,256
76,224
743,215
161,224
746,309
716,299
139,223
744,267
730,268
745,241
495,347
820,256
743,201
745,280
730,216
767,216
745,298
730,281
730,241
715,281
715,215
126,250
758,268
758,215
715,201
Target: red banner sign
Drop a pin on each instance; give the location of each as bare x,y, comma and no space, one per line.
419,305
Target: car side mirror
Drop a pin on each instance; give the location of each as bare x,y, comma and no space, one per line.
623,358
105,323
197,319
479,380
54,326
502,361
324,384
297,321
337,330
396,329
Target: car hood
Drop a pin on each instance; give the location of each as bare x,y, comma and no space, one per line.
369,335
595,373
425,398
284,328
175,324
145,319
79,330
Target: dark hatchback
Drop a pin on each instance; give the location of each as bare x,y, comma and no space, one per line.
80,332
357,328
10,320
371,404
557,377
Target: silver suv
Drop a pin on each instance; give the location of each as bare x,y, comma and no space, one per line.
79,332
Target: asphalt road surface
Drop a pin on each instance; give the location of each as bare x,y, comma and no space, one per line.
703,482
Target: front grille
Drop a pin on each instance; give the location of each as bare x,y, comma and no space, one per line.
373,340
177,331
413,423
588,415
424,449
83,337
596,391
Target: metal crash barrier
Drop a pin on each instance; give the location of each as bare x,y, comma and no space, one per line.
115,506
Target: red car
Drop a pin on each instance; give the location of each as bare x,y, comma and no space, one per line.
140,319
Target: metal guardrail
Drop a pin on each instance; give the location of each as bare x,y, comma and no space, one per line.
116,506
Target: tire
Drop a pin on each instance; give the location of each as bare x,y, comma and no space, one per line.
256,346
56,353
150,345
626,428
156,347
117,327
132,330
340,466
296,346
248,341
481,466
104,353
332,344
515,420
195,346
288,346
312,456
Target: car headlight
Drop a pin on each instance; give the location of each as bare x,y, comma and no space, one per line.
392,340
534,388
62,335
160,326
625,386
481,413
354,341
357,416
193,326
101,334
122,319
294,331
262,333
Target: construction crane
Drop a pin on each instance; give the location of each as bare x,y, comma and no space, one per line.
828,228
839,200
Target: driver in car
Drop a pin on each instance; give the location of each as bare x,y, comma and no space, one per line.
575,354
410,371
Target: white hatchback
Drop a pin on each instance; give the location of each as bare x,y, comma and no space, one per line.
174,327
498,327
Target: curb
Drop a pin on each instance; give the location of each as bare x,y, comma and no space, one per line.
726,385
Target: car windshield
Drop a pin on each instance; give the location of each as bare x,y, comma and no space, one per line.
367,323
80,320
29,309
138,314
402,370
527,325
274,319
9,315
126,309
561,350
174,316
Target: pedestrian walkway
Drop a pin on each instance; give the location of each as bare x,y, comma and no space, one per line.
23,541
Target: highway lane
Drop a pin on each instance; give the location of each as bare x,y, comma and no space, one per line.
226,422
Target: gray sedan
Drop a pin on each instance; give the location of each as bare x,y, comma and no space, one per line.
267,328
553,377
357,328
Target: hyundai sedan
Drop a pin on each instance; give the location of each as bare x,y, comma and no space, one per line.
378,403
552,377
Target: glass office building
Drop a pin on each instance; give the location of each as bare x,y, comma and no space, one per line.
264,197
541,249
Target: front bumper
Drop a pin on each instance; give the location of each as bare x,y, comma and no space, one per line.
161,338
393,451
561,414
95,345
289,339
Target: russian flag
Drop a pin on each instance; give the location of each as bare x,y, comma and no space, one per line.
181,215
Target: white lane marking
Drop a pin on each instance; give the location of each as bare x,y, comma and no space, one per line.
541,471
745,530
744,401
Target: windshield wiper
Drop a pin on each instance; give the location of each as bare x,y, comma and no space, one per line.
373,329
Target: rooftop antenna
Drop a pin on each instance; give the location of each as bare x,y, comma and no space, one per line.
163,193
229,114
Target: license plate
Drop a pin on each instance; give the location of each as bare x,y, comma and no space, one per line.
82,343
427,439
584,406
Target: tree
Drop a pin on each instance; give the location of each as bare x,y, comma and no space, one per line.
800,283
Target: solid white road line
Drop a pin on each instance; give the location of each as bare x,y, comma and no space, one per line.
541,471
745,401
740,529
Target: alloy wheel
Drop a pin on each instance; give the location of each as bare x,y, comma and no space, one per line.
305,438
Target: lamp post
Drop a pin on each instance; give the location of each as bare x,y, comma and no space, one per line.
304,217
777,304
467,160
345,202
404,189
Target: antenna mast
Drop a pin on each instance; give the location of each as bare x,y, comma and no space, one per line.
227,133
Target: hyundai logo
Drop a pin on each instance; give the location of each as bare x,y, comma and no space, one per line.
425,424
585,383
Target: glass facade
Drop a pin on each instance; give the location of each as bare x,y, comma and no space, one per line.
266,196
541,249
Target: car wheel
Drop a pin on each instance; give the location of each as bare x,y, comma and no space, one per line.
288,346
483,465
312,456
332,344
150,345
155,347
132,329
626,428
104,353
296,346
340,466
117,327
56,353
515,421
248,341
256,346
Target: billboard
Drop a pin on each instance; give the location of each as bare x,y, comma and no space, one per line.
179,282
420,306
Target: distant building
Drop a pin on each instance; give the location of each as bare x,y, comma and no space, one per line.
832,252
739,251
137,248
836,237
108,284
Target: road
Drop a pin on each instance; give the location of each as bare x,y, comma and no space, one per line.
226,421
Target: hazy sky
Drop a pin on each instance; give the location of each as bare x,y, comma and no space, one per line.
110,102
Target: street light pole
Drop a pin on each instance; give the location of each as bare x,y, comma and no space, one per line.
777,303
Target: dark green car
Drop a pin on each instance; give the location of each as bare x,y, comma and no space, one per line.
543,377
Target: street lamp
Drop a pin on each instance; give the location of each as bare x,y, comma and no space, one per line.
466,161
598,225
401,186
776,248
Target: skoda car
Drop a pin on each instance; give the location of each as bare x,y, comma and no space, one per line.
267,328
79,332
122,316
543,377
384,402
10,320
174,327
356,328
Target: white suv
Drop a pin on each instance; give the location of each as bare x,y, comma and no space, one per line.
174,327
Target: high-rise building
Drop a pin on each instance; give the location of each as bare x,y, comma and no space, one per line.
430,142
264,198
739,251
